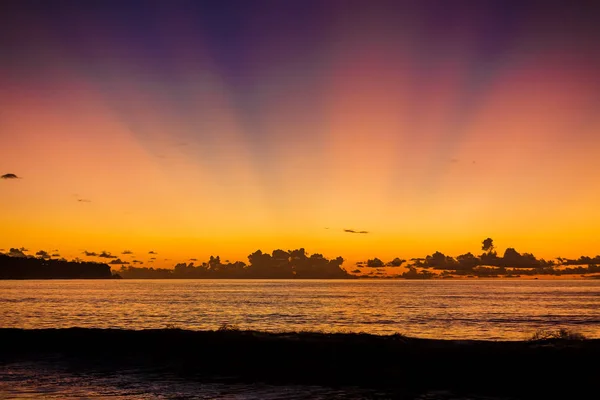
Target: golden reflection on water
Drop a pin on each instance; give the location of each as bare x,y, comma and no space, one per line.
478,309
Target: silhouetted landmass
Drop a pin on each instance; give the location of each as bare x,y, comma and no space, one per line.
583,260
297,264
12,267
555,366
511,264
292,264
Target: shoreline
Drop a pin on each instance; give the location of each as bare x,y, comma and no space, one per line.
354,278
392,362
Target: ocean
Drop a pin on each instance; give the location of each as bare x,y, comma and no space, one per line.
438,309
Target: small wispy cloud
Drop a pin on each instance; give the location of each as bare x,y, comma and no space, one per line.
9,176
127,252
90,253
84,200
106,254
152,252
118,261
354,231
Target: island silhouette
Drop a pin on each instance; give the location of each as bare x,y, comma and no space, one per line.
298,264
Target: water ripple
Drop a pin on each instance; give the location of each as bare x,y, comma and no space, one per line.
481,309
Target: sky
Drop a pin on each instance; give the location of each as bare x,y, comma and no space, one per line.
192,129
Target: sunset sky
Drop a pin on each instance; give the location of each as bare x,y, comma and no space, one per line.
198,128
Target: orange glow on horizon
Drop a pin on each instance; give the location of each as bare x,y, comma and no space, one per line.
426,144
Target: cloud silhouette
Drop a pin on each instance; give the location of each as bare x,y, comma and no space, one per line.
152,258
16,252
23,249
354,231
193,259
43,254
118,261
127,252
106,254
90,253
152,252
356,271
84,200
55,255
396,262
9,176
375,263
137,262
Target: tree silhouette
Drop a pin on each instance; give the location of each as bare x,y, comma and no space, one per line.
488,245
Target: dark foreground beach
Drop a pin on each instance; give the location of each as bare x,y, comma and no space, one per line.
395,366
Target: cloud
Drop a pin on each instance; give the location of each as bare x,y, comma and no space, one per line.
193,259
118,262
16,252
90,253
137,262
375,263
152,258
127,252
55,255
356,271
84,200
43,254
152,252
9,176
106,254
353,231
23,249
396,262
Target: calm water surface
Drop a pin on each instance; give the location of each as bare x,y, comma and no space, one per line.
459,309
